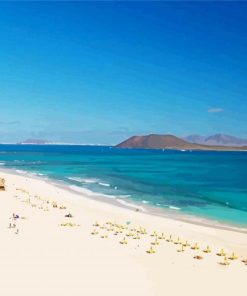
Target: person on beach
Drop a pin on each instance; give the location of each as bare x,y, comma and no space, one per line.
15,216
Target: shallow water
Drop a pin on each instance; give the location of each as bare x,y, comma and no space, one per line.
200,183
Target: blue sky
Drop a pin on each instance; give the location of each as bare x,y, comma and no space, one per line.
102,71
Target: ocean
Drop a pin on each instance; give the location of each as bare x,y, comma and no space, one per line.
193,184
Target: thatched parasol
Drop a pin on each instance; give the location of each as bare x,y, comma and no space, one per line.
2,184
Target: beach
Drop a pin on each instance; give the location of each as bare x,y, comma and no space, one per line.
102,248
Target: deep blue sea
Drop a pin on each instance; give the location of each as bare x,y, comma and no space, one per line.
204,184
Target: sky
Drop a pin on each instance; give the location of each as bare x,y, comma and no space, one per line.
100,72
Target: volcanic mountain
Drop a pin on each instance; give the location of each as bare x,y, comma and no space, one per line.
216,140
155,141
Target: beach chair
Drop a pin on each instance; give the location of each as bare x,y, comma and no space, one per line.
154,233
124,241
156,242
178,241
207,250
186,244
195,247
169,240
162,236
225,262
94,232
182,249
233,256
151,251
221,253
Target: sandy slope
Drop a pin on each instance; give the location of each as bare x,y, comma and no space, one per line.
45,258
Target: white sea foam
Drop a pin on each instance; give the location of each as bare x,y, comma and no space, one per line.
104,184
83,180
89,193
131,205
2,163
125,195
31,174
88,181
174,208
145,201
20,172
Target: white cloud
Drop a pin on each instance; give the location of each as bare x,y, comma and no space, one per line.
215,110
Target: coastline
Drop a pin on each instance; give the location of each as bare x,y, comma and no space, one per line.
129,204
77,197
150,210
47,258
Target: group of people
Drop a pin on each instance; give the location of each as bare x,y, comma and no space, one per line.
12,225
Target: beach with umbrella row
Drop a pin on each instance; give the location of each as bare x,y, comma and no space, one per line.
154,240
54,241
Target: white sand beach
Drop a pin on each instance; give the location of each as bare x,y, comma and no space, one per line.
45,253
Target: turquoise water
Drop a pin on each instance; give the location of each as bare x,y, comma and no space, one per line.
212,185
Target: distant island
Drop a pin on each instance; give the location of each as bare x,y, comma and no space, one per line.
155,141
216,140
35,142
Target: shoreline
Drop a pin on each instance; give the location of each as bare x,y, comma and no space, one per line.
205,148
52,254
129,204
